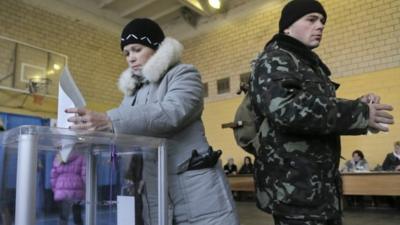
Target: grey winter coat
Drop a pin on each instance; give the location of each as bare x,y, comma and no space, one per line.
168,104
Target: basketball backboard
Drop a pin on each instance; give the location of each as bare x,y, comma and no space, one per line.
29,73
28,69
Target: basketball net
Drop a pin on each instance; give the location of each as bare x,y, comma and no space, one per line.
37,99
36,89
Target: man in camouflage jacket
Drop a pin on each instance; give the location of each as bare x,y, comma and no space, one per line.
296,165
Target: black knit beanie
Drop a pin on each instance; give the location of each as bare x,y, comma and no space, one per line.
142,31
296,9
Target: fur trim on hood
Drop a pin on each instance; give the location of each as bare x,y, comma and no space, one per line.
168,54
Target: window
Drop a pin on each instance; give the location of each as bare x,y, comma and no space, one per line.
223,86
205,90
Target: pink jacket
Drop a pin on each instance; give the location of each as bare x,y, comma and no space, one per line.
68,179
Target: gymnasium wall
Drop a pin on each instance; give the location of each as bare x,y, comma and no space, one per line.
361,44
386,83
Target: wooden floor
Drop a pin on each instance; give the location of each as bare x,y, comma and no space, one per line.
250,215
372,183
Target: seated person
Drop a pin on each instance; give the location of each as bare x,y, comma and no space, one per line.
392,160
392,163
230,168
357,163
247,167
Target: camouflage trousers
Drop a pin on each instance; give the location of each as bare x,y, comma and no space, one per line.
284,221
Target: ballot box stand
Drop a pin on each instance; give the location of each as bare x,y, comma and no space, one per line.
26,160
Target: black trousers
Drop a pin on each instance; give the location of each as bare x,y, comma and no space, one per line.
65,209
283,221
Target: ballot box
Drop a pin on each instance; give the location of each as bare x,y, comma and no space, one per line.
48,173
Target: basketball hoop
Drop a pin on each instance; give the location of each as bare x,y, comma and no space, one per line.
37,99
38,88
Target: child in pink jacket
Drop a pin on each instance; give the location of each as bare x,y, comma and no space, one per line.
68,185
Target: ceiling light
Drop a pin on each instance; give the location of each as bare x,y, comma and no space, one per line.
206,7
216,4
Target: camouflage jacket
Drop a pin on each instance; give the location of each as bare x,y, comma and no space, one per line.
296,165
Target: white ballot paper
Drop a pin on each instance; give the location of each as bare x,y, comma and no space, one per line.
125,210
69,96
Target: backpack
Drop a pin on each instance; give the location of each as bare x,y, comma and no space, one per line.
245,128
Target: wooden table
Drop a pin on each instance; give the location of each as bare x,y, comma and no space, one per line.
361,183
241,182
371,183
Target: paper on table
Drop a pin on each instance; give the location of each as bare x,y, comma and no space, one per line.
69,96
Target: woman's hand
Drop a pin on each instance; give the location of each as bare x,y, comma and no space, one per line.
85,119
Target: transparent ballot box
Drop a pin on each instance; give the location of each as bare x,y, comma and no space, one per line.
61,176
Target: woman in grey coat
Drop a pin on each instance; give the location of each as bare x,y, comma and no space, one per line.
164,98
